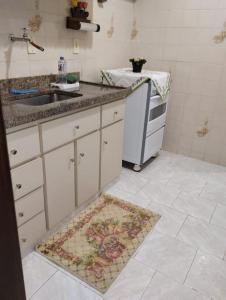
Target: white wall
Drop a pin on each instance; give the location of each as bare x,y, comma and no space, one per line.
177,35
97,50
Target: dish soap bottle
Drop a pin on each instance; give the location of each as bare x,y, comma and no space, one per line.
62,69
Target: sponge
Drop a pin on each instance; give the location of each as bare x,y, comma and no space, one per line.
71,78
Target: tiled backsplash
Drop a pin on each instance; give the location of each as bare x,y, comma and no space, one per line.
97,50
178,36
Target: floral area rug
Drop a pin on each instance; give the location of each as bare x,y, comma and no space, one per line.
97,244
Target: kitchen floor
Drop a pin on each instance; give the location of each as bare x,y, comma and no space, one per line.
183,258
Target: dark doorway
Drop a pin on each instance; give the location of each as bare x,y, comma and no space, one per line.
11,275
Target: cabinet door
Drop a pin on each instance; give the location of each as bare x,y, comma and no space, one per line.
112,148
88,153
60,183
31,233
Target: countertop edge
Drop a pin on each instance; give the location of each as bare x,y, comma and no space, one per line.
65,109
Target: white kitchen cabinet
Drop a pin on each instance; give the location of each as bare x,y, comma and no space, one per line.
60,183
31,233
27,178
88,164
23,145
63,130
29,206
111,152
113,112
81,154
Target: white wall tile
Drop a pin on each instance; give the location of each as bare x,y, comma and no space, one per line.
57,40
198,74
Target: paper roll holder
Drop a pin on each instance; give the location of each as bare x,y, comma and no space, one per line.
81,24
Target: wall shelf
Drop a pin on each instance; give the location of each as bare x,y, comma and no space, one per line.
81,24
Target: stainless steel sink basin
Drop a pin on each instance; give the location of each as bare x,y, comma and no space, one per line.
51,97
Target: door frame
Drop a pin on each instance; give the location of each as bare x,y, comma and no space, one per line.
11,273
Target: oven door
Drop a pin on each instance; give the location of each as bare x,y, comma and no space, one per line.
153,144
156,115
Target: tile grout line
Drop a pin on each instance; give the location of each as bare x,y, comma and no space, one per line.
30,298
182,226
207,223
206,183
182,212
80,282
190,266
211,217
172,205
62,271
145,265
149,283
161,203
46,260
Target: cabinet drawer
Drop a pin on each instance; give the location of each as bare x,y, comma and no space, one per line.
32,232
29,206
153,144
23,145
113,112
64,130
27,178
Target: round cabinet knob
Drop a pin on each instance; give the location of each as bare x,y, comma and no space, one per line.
115,113
24,240
77,127
14,152
82,154
19,186
106,142
21,215
72,160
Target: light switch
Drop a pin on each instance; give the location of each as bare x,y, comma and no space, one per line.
76,49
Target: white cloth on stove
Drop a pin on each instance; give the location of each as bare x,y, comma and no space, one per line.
125,77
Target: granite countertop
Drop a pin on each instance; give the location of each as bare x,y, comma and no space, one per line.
20,115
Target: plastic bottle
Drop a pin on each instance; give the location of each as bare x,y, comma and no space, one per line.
62,69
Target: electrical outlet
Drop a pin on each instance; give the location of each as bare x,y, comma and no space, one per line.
76,49
30,49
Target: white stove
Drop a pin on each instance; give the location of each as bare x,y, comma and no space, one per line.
145,114
145,120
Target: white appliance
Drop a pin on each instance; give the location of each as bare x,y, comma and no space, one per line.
145,119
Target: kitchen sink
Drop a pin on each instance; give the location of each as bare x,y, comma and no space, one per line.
48,98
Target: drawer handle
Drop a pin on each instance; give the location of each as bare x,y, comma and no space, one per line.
82,154
106,142
24,240
19,186
77,127
21,215
14,152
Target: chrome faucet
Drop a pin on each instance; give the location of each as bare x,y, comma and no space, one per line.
25,38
